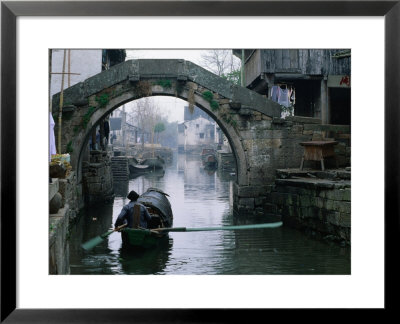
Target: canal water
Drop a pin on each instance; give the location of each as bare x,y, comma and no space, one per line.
199,198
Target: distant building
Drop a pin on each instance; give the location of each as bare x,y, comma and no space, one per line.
195,134
197,112
186,137
312,82
123,132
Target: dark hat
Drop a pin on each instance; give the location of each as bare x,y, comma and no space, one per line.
132,195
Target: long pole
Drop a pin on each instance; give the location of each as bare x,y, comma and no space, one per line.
69,68
61,105
242,70
50,63
222,228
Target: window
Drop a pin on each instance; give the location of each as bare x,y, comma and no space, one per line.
201,135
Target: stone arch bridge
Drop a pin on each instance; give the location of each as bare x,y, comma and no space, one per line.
258,137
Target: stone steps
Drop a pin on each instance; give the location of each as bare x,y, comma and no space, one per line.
333,174
120,168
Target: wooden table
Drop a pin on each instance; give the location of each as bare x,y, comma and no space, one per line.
318,151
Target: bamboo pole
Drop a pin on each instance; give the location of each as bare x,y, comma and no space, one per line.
50,73
65,73
61,105
222,228
242,71
69,68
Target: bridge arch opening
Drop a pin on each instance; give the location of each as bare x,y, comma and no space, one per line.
136,107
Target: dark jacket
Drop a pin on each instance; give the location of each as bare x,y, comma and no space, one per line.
126,215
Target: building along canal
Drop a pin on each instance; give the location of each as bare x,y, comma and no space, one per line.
199,198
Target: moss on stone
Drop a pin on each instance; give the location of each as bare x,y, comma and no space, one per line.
103,100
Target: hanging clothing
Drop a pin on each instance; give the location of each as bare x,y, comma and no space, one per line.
284,98
52,139
275,93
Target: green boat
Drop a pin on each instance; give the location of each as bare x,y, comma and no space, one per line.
141,238
159,208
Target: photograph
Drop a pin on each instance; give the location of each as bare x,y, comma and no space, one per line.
231,157
215,161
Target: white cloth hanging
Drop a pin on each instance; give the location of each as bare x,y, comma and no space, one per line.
275,93
52,139
284,97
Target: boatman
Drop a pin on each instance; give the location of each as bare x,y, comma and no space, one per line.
134,213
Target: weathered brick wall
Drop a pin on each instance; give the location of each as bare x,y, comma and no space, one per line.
58,243
59,223
250,200
320,207
274,143
69,192
97,177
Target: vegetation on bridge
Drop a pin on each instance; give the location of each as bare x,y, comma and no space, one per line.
164,83
209,97
103,100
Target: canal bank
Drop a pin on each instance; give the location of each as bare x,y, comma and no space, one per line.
315,202
308,201
201,198
64,205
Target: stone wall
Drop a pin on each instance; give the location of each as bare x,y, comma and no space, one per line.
226,161
58,242
70,192
64,207
318,203
274,143
97,178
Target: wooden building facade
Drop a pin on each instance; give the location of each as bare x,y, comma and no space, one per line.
319,78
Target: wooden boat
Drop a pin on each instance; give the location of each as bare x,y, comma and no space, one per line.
135,167
209,158
154,162
159,208
139,168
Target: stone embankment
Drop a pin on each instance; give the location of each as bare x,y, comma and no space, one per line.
226,161
317,202
275,144
64,207
97,178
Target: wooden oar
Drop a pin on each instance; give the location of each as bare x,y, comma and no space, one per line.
222,228
98,239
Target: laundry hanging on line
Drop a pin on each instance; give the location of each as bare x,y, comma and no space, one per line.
52,140
283,97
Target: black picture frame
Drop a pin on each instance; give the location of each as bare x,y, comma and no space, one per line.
10,10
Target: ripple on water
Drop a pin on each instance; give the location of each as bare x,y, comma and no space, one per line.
202,200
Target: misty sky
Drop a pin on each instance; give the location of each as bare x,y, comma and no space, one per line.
170,106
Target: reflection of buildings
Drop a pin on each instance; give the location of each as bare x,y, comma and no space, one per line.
196,177
320,79
180,163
